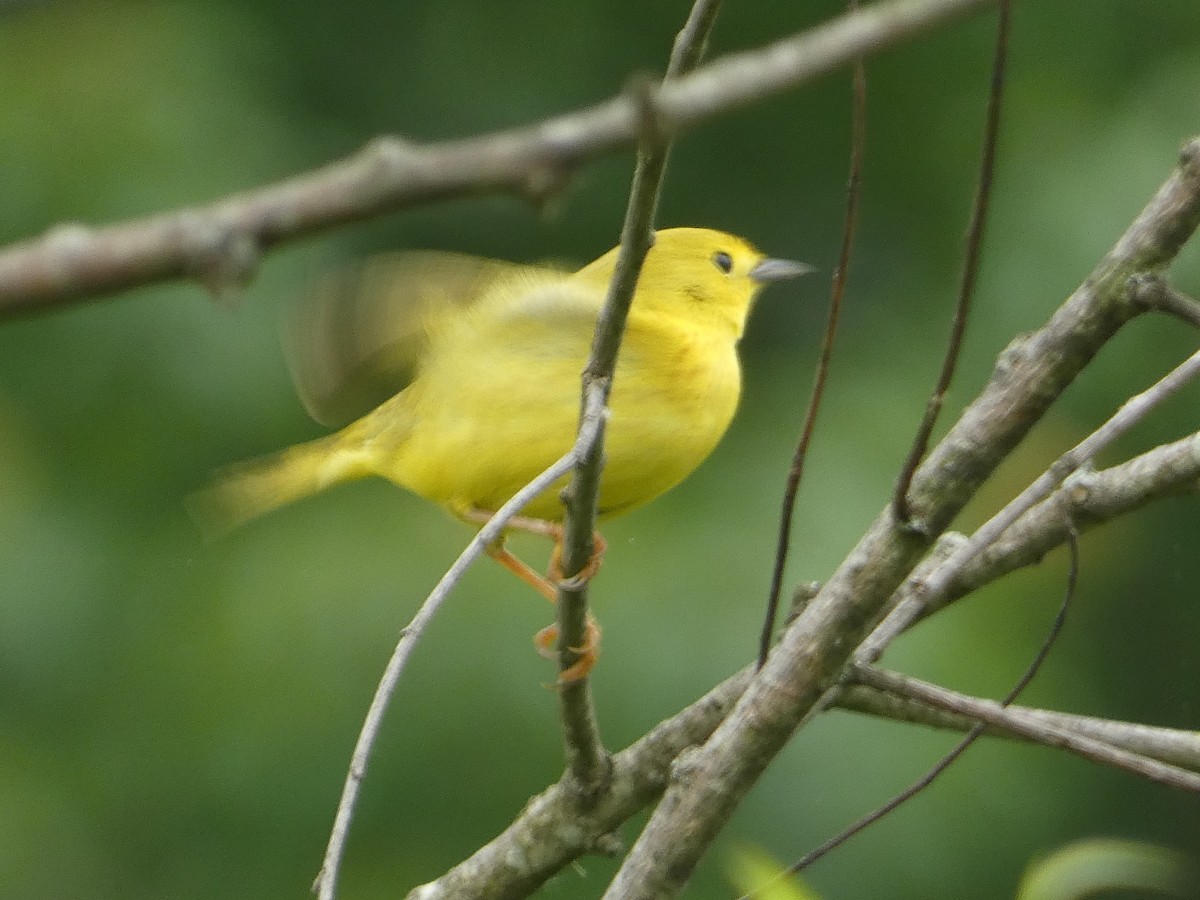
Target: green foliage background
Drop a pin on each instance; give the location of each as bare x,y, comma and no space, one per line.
177,717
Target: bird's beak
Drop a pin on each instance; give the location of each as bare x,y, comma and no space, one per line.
779,270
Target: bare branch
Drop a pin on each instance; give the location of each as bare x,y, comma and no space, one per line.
1156,294
220,243
974,733
994,714
1087,498
587,760
555,828
1170,745
805,665
929,591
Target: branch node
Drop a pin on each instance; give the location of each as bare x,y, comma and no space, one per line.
1152,292
589,785
643,90
542,186
1189,157
1146,290
914,526
1079,487
221,257
610,845
390,151
801,597
684,766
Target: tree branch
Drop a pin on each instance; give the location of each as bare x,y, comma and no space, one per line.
587,760
1029,376
929,590
220,243
1087,498
1170,745
992,713
552,830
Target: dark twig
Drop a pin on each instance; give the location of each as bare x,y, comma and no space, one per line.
901,506
858,139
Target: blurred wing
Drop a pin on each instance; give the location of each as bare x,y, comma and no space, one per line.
359,336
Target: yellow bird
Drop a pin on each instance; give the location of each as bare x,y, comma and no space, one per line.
475,366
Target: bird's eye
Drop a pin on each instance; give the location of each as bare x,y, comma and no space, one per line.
723,261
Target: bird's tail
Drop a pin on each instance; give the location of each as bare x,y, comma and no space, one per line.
253,488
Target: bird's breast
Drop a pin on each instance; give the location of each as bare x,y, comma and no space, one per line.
673,399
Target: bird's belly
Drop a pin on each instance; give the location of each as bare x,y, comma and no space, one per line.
660,430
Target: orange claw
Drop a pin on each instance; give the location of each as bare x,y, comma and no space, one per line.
584,575
546,642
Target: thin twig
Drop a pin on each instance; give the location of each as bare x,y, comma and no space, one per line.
221,242
858,139
901,506
325,884
991,713
928,593
587,760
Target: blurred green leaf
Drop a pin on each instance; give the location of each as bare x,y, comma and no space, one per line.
756,873
1101,865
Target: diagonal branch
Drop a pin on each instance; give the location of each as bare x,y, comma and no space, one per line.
220,243
551,831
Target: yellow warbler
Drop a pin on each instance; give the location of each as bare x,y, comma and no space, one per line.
489,355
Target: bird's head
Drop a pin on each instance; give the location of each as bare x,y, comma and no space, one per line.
704,275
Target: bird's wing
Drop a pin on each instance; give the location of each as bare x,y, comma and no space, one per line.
359,336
